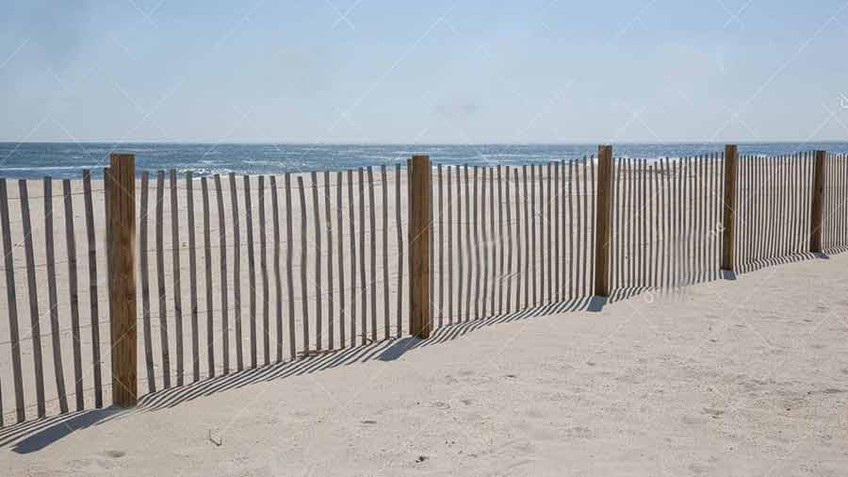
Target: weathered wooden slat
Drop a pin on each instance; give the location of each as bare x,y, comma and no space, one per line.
304,303
525,273
508,274
290,269
263,270
385,206
459,248
581,251
160,272
460,252
653,240
592,199
475,224
450,248
363,270
533,243
12,303
372,221
570,222
92,288
192,278
239,336
352,239
319,292
52,296
482,243
549,226
330,287
147,332
469,245
518,242
222,245
441,302
556,197
73,292
32,293
278,280
251,269
501,244
643,224
177,291
207,262
340,229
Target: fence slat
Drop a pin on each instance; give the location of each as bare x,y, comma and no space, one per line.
450,246
501,244
372,221
352,239
557,198
485,243
192,278
290,268
239,336
32,293
441,222
340,228
73,292
251,269
92,287
460,252
477,223
278,280
385,242
469,245
222,245
263,266
177,283
52,296
362,257
145,285
303,267
12,304
207,263
160,272
319,298
508,274
330,287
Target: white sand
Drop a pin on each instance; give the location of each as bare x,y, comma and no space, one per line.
745,377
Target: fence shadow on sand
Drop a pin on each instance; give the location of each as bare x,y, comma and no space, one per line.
33,436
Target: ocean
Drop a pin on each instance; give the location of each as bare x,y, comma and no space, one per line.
67,160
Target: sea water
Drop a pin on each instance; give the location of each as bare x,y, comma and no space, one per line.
67,160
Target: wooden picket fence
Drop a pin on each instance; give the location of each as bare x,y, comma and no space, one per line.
238,272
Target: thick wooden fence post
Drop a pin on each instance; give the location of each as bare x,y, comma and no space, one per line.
728,247
603,217
420,195
122,300
817,209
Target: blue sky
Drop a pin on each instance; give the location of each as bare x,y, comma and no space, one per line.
424,72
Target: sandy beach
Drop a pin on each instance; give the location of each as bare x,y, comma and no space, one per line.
745,377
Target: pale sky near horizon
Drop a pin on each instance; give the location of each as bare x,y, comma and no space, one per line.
424,72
